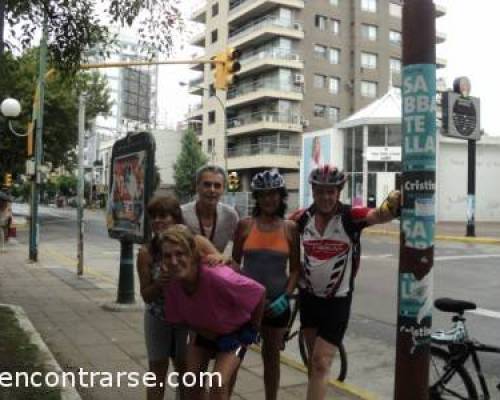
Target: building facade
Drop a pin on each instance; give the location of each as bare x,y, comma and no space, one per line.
305,66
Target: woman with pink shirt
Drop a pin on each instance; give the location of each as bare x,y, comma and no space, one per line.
223,307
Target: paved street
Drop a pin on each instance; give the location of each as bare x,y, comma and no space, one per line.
462,270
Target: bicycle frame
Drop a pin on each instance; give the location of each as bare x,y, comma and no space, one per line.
476,347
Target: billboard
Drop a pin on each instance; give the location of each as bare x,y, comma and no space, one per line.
316,151
136,95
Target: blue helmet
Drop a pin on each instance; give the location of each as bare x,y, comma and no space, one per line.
267,180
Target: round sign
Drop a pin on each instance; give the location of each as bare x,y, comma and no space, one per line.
464,116
462,86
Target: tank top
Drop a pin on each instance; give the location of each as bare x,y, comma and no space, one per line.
265,258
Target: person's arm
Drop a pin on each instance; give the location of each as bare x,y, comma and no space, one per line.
388,210
240,236
258,312
208,252
294,257
150,290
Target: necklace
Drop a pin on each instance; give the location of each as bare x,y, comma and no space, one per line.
202,229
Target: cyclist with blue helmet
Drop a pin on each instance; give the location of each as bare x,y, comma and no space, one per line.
267,245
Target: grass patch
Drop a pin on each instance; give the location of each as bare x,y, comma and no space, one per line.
17,354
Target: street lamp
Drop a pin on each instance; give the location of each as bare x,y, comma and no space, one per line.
10,109
223,107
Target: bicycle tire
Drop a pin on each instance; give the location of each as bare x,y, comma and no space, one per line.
466,386
340,357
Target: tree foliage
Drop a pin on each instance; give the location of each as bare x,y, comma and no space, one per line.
18,77
77,25
188,161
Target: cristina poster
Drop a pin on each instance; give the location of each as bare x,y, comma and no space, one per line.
315,152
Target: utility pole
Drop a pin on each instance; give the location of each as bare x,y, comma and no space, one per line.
3,6
418,209
81,187
471,187
35,183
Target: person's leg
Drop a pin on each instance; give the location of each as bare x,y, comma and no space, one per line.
180,349
272,339
320,363
197,359
159,368
310,337
226,366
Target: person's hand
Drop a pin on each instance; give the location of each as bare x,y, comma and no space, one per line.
226,343
391,206
214,259
164,276
278,306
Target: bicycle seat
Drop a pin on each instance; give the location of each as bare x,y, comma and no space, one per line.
456,306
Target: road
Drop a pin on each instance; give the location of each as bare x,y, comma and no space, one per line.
465,271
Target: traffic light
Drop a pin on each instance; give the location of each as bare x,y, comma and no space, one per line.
233,181
7,181
226,66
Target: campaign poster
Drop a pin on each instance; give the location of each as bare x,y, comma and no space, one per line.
316,151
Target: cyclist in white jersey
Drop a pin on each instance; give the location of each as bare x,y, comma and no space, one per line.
330,233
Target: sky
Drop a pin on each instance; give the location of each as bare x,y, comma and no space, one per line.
472,30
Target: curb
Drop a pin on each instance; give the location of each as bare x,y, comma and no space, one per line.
450,238
67,392
352,390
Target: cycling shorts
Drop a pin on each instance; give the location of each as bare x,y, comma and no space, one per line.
211,345
330,316
280,321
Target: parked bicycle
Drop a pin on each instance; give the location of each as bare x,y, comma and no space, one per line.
339,366
450,378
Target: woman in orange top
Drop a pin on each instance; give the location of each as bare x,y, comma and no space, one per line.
268,243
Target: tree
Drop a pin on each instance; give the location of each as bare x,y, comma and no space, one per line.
17,79
188,161
76,25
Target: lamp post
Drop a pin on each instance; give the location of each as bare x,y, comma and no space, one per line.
223,108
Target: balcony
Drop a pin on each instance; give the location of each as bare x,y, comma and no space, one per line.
195,86
263,29
195,111
200,14
440,10
241,10
263,121
263,156
198,39
262,89
440,37
441,62
261,60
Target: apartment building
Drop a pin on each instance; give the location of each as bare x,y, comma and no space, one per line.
306,64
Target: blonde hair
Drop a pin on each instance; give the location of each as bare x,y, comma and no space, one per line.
181,235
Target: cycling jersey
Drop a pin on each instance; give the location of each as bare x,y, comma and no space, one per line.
330,261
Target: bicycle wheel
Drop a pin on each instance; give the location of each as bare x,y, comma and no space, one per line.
448,381
339,367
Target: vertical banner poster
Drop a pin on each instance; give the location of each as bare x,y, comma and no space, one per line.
130,188
316,152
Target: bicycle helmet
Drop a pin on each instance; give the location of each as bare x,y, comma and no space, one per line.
267,180
327,175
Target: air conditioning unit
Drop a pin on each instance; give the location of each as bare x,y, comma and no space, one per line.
297,26
304,122
298,79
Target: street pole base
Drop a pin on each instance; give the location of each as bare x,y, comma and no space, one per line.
470,231
121,307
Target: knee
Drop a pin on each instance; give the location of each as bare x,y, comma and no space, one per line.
320,364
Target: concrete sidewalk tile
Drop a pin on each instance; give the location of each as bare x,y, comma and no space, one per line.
248,382
85,336
104,352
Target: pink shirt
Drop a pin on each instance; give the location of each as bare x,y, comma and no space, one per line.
223,301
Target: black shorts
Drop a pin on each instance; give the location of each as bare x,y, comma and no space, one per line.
281,321
329,316
211,345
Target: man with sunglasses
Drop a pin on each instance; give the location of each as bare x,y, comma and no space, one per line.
207,216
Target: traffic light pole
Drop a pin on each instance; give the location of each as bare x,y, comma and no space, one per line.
416,256
471,188
35,183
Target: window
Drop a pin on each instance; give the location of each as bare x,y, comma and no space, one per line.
211,117
319,110
334,56
320,22
210,145
368,89
395,10
332,113
395,64
334,26
319,81
215,9
214,36
333,85
334,3
211,90
395,37
369,32
319,51
368,60
369,5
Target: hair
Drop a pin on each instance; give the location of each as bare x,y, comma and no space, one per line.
280,211
165,205
181,235
210,168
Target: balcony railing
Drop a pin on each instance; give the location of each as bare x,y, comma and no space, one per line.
194,107
235,3
255,118
193,83
261,149
262,84
276,53
266,21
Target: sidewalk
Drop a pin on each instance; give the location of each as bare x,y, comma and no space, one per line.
67,312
